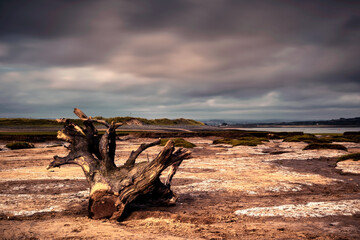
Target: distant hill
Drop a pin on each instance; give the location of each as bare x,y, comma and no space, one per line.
13,122
256,123
222,122
339,122
160,121
334,122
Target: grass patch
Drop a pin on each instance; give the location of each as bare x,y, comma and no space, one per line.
179,142
243,141
352,133
353,156
28,122
307,138
346,137
283,135
337,139
19,145
161,121
325,146
354,136
39,133
324,138
5,122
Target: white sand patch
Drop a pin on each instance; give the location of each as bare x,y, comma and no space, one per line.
41,173
238,149
311,209
305,155
348,145
294,151
349,166
29,204
200,141
237,174
285,188
287,172
32,212
216,185
68,196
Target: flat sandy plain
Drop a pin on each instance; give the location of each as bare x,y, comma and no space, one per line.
224,193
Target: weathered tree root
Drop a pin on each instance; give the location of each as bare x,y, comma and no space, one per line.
113,188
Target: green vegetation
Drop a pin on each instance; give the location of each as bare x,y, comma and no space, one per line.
353,156
232,137
19,145
161,121
325,146
339,138
5,122
244,141
324,138
28,122
283,135
179,142
307,138
354,136
38,133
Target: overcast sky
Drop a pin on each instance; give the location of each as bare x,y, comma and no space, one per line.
200,59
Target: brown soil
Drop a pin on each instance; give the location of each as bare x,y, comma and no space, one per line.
294,194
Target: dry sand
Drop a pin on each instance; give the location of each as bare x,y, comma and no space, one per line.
224,193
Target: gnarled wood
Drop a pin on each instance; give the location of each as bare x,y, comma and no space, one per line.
134,154
112,187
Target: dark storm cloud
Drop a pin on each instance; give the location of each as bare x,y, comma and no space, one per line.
180,57
284,20
44,19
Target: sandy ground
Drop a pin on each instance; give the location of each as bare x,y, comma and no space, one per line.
272,191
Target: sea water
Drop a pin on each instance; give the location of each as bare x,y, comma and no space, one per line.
306,129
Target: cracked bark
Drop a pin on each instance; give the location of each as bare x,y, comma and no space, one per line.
113,188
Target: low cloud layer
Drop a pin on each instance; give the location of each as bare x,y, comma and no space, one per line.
197,59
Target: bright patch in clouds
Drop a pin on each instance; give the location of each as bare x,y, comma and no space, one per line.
210,59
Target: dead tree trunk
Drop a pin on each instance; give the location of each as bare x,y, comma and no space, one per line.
112,188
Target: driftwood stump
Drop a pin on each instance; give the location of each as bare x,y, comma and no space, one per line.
113,188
